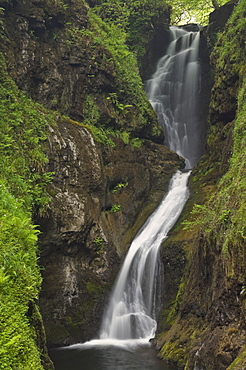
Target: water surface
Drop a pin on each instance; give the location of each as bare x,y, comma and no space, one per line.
107,358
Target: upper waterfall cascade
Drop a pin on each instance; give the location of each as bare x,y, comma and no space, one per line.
173,91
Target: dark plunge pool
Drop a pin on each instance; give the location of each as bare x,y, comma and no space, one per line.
79,357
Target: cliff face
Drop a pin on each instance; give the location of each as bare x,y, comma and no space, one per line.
110,170
101,196
64,56
207,316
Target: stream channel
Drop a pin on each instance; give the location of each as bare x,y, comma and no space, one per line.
130,319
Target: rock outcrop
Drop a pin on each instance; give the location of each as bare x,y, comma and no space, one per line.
105,186
60,55
101,196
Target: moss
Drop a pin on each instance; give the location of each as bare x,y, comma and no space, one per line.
130,106
224,212
179,340
93,288
173,354
216,255
56,333
173,312
239,363
23,184
100,135
40,336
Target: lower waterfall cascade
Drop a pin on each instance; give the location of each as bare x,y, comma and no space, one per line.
132,307
173,90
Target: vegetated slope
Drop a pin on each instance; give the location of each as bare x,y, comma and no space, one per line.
64,55
22,187
210,308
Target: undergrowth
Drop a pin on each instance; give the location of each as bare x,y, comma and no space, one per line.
23,181
222,219
127,105
23,133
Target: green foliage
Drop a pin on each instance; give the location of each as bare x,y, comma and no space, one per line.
113,39
100,244
114,11
226,210
75,35
23,127
107,36
131,92
19,284
98,241
135,17
197,212
222,220
125,137
103,136
136,142
115,101
142,20
228,56
91,112
138,18
120,186
115,208
196,11
23,181
100,134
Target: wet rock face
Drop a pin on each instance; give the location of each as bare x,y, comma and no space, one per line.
156,48
209,331
213,305
223,105
209,327
40,58
56,57
219,17
74,263
100,197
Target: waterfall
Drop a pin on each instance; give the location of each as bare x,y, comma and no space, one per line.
130,313
173,92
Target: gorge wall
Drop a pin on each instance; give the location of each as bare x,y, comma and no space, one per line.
111,170
101,195
204,321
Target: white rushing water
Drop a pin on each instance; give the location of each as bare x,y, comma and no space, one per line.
130,316
174,91
131,310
